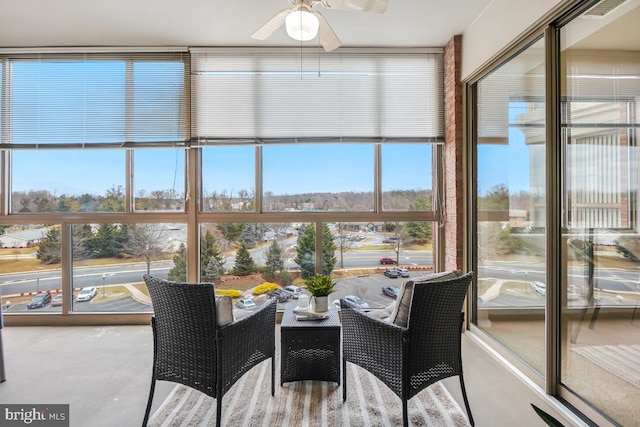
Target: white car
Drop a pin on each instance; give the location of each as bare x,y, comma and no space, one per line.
403,272
539,288
87,294
356,301
246,303
296,291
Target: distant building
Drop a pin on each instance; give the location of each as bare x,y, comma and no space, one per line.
23,239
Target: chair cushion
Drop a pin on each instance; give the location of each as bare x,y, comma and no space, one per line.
400,313
383,313
224,310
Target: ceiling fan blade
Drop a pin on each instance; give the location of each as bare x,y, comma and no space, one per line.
328,38
373,6
271,26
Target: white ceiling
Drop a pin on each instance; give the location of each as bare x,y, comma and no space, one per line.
41,23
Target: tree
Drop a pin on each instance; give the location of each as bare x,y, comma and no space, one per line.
113,200
214,270
344,243
105,243
146,241
211,259
251,234
49,249
306,251
244,265
231,231
496,199
275,258
178,272
418,232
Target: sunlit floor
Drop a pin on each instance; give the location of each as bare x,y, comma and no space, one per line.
103,373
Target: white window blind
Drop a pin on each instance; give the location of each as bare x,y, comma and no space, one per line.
95,100
244,95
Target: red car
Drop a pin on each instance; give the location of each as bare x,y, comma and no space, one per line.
387,261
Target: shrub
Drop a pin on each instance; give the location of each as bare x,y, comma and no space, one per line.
285,278
233,293
269,275
264,288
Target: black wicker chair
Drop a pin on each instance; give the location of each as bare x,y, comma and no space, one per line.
410,359
190,348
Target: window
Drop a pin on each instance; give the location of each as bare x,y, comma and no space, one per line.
510,204
111,195
599,292
319,177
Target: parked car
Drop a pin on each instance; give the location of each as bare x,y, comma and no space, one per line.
539,288
246,303
279,294
403,272
391,291
356,301
39,300
385,260
87,294
296,291
388,241
392,273
56,301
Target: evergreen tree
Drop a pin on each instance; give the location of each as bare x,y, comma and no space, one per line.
244,263
211,259
328,251
49,248
418,232
232,231
306,251
214,270
81,234
105,242
178,272
274,261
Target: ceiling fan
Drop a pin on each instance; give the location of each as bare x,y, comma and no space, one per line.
303,23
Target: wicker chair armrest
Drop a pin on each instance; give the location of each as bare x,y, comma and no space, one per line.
374,344
247,342
258,326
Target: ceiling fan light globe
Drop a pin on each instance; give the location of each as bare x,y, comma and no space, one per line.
302,25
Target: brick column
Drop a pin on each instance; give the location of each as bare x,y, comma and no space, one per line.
453,164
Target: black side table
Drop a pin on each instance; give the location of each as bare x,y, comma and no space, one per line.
310,349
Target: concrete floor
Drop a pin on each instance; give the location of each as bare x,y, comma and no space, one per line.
103,373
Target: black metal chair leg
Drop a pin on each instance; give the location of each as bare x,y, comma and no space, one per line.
466,401
344,380
149,402
218,411
405,414
273,376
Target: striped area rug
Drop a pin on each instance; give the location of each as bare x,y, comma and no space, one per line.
620,360
308,404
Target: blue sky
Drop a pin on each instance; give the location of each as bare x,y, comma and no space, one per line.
506,164
289,169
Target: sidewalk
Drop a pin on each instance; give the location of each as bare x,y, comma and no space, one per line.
137,295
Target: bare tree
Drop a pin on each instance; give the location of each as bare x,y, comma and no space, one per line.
344,242
148,241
